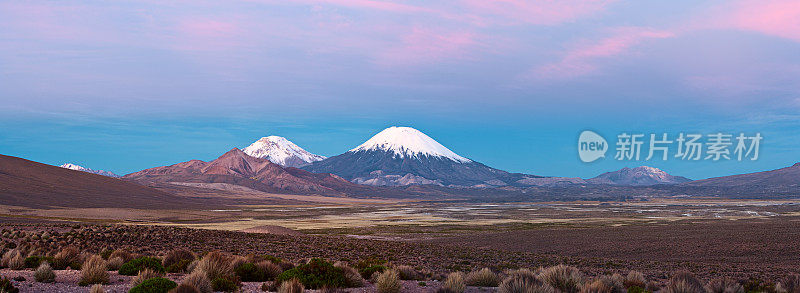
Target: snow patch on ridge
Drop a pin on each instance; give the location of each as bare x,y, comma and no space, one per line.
75,167
281,151
408,142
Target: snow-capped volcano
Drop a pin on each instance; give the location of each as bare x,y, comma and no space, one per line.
642,175
405,156
408,142
75,167
281,151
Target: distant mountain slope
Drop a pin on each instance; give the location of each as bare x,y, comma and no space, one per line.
638,176
789,176
281,151
399,156
75,167
32,184
236,167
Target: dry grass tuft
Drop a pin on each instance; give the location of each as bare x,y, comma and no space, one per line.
724,285
524,281
683,282
635,279
199,281
124,255
145,275
483,278
44,273
17,262
454,283
177,260
115,263
65,257
354,279
605,284
291,286
97,288
216,265
567,279
388,282
94,271
790,284
408,273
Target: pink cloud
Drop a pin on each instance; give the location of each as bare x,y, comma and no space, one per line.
776,18
425,45
581,59
541,12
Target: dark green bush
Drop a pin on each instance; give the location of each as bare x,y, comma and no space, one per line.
7,286
316,274
367,272
133,267
34,261
154,285
224,285
249,272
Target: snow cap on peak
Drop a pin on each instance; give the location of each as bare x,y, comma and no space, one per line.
281,151
408,142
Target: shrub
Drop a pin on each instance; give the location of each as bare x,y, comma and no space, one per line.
249,272
7,287
133,267
34,261
367,272
605,284
352,276
97,288
724,285
454,283
683,282
224,285
635,279
408,273
388,282
115,263
216,265
790,284
145,275
316,274
67,256
155,285
44,274
564,278
482,278
93,271
291,286
269,268
524,282
178,260
199,281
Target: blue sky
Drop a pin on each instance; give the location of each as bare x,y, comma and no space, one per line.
128,85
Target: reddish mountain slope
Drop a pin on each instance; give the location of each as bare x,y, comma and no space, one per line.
236,167
31,184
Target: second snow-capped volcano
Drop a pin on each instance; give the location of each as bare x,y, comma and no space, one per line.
408,142
404,156
281,151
